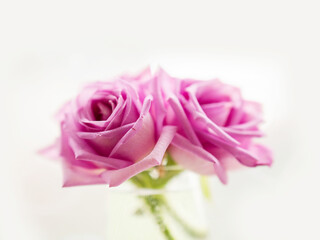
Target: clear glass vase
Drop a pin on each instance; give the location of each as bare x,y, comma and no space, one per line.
170,208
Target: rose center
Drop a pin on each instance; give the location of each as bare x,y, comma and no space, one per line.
102,109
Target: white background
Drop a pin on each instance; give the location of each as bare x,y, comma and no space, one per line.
270,49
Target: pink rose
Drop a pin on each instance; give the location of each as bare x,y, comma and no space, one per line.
108,135
114,130
216,126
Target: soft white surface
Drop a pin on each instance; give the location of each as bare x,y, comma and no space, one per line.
270,49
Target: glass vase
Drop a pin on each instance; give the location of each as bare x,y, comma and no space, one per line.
158,204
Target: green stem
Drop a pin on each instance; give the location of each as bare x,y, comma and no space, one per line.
158,202
154,205
190,230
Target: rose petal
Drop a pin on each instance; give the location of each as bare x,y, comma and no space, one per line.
77,172
201,119
136,127
199,153
116,177
159,108
83,151
243,133
183,119
137,145
263,154
246,125
217,112
130,113
52,151
76,176
244,156
106,134
226,159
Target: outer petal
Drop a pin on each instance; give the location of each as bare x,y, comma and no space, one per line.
52,151
184,121
103,142
247,125
251,157
76,176
191,161
159,108
83,152
243,133
116,177
195,158
264,154
200,165
76,172
227,160
137,146
251,111
201,119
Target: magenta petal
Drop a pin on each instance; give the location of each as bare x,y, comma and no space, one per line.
137,125
103,142
263,154
244,156
76,172
107,134
76,176
191,161
52,151
226,159
159,108
202,119
246,125
243,133
201,155
114,120
116,177
84,152
184,121
130,113
139,144
221,133
217,112
252,110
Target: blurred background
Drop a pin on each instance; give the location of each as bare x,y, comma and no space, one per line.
49,49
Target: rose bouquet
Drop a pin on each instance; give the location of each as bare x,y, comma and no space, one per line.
148,128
